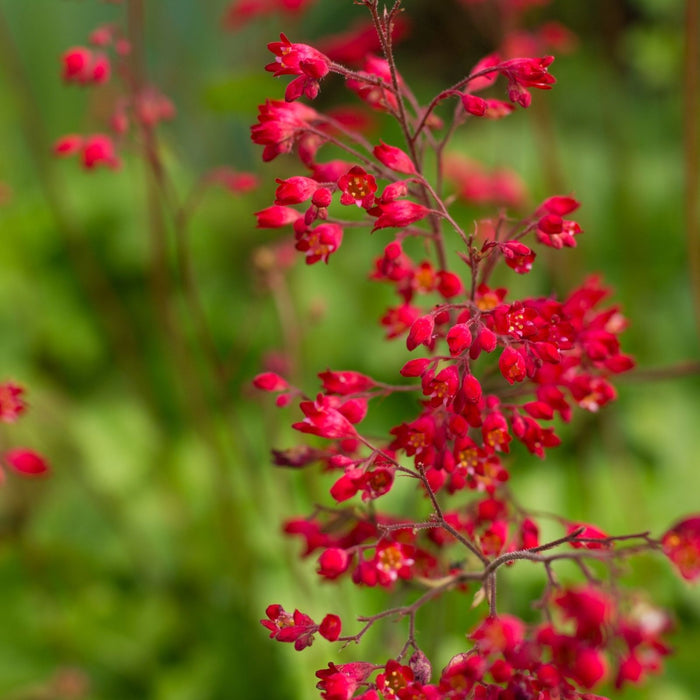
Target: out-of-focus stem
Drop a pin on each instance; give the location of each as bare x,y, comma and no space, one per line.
194,399
191,292
691,146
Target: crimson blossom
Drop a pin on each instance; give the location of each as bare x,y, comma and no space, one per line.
491,373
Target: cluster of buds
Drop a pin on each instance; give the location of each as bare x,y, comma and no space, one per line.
493,371
21,460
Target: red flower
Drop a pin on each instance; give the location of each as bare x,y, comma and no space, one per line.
280,126
512,365
358,187
556,232
394,679
392,561
12,404
26,462
295,190
318,243
681,544
270,381
589,533
523,73
324,420
421,332
340,682
394,158
298,627
398,213
330,627
333,562
345,383
517,256
500,634
99,149
276,217
302,60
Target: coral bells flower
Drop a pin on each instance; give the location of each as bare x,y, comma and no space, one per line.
12,404
318,243
518,256
392,561
295,190
324,420
298,627
556,232
394,159
301,60
394,679
333,562
276,217
512,365
270,381
345,383
280,126
523,73
340,682
499,634
681,544
76,63
26,462
81,65
99,150
488,108
357,187
398,213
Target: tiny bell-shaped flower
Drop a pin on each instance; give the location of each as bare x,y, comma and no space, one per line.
394,158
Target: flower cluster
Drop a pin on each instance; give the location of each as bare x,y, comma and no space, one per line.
137,104
488,370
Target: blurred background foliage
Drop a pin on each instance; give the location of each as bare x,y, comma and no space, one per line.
141,567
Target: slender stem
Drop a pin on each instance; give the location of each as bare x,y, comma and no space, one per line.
190,289
691,145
